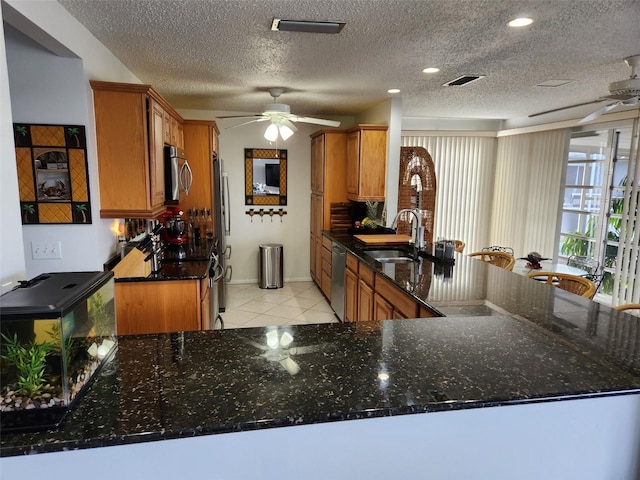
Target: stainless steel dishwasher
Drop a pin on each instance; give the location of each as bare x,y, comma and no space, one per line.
338,261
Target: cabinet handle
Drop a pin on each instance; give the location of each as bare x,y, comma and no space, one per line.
186,177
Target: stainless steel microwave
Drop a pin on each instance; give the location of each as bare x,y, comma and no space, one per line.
178,176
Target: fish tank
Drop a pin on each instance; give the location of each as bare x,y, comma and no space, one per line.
56,332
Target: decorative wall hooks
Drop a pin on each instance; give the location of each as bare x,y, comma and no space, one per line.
281,212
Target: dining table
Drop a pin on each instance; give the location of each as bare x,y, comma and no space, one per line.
522,268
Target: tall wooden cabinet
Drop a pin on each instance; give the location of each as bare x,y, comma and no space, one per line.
366,163
200,145
328,167
130,131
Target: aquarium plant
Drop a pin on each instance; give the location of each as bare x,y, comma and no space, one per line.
29,362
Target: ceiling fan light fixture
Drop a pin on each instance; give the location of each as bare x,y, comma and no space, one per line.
279,24
285,132
271,133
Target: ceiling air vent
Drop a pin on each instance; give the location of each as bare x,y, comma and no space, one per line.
279,24
463,80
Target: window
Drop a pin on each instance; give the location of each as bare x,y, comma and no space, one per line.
596,176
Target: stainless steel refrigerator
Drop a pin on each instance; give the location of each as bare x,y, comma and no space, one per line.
222,219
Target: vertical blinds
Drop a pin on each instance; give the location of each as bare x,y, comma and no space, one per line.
528,182
626,286
464,172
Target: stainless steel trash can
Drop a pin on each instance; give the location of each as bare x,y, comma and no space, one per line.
270,266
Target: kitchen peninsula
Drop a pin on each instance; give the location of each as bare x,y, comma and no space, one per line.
560,373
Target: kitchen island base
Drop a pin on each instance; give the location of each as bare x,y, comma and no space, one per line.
589,439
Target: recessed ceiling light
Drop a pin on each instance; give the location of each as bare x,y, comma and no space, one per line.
431,70
520,22
393,90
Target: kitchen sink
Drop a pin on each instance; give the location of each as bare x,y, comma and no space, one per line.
390,256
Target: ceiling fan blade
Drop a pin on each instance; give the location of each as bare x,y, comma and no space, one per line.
242,116
597,113
247,123
317,121
569,106
290,365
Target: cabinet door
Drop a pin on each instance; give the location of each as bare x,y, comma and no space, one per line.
157,307
156,154
205,313
317,163
350,296
353,162
382,310
198,149
365,301
166,128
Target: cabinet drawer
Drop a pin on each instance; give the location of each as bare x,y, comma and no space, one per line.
326,266
400,300
325,282
366,274
352,263
326,243
326,255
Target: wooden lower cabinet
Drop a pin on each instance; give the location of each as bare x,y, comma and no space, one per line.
325,274
161,306
370,296
350,295
365,301
382,309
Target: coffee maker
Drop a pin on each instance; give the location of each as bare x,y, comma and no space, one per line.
174,234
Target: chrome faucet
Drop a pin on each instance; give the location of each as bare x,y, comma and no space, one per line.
418,238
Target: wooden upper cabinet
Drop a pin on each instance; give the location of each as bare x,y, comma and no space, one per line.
200,141
366,163
130,133
317,164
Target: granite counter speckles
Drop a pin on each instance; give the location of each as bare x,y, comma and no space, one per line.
199,383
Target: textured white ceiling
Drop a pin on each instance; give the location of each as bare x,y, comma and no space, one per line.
222,55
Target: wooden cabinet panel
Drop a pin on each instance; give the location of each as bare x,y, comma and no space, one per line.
158,307
325,283
352,263
350,296
317,164
401,301
198,148
367,274
382,309
365,301
426,313
205,312
366,163
156,154
130,122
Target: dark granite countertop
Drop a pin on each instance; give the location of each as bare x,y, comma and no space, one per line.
194,267
507,340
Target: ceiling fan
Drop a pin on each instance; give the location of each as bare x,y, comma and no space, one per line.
624,93
281,119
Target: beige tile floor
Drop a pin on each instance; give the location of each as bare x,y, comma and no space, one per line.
295,304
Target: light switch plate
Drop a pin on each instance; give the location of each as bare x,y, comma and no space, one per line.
46,250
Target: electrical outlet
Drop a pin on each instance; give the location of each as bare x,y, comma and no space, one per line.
46,250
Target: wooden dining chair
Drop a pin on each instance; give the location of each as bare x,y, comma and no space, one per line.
498,248
499,259
632,308
571,283
459,245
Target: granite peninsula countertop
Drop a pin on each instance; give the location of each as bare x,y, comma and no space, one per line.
194,267
512,341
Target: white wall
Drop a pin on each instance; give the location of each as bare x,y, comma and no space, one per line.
12,265
46,88
247,235
49,89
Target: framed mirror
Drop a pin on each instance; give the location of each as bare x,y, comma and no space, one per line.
265,176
